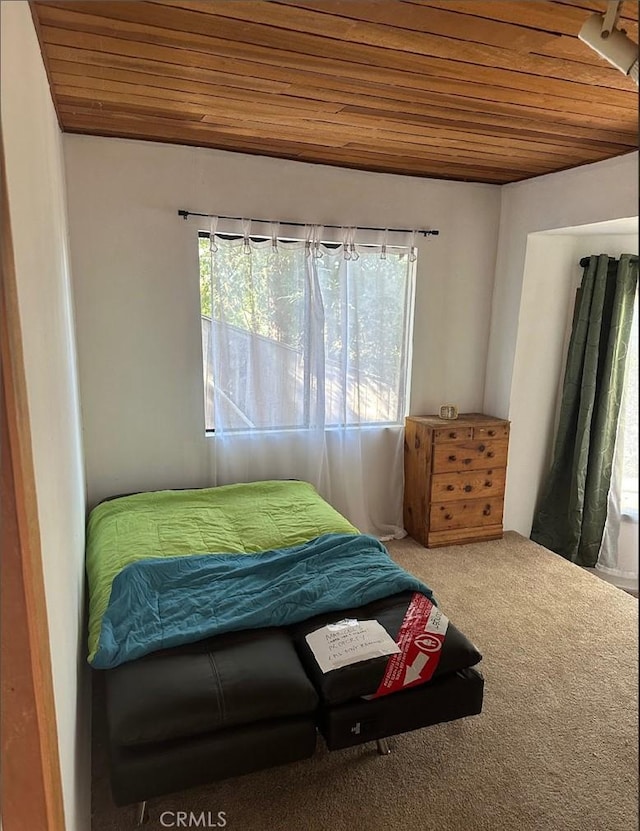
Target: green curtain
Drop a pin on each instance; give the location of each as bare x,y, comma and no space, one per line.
572,512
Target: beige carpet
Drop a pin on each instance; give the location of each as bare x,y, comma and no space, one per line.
555,749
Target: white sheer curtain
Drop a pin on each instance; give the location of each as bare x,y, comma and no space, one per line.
306,348
618,557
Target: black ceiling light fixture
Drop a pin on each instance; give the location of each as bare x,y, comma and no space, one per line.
600,33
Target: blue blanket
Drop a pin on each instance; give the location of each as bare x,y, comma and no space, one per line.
160,603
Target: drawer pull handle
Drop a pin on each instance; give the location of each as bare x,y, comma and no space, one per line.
488,483
490,454
492,432
452,458
481,448
468,488
487,510
450,488
453,435
448,516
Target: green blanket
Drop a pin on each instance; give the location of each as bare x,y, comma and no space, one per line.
241,519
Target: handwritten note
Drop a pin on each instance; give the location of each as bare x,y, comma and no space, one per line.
348,642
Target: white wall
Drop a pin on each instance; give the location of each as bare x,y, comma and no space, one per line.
588,194
551,276
136,287
35,179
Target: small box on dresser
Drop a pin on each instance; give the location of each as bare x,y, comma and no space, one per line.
454,478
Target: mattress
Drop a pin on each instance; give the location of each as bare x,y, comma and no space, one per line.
241,519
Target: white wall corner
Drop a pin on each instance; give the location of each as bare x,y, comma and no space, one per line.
32,145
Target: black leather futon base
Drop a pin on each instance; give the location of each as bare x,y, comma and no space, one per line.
228,705
249,700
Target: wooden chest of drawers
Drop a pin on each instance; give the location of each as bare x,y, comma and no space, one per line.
454,478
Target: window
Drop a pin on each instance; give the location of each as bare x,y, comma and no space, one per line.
298,337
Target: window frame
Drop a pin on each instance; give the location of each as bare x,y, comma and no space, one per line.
328,427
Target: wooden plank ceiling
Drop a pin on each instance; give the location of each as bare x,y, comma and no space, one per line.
475,90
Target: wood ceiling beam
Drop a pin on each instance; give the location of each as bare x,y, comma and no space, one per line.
573,99
368,94
538,15
487,90
145,129
203,31
462,43
314,85
446,22
481,124
111,94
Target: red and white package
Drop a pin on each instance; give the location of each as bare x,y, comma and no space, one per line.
420,640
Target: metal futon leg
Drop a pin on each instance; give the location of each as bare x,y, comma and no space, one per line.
141,813
383,747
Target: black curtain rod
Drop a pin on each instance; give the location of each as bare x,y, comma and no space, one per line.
430,233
